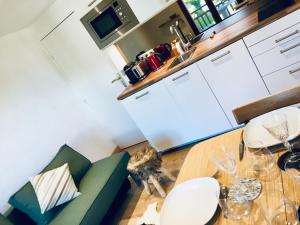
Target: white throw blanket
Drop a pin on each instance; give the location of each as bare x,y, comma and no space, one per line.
151,216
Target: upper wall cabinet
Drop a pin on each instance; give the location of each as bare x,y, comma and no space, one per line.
145,9
233,77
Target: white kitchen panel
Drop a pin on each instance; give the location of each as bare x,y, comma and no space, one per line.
283,79
278,58
202,112
273,28
157,116
145,9
276,41
233,77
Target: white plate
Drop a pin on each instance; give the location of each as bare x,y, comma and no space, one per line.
191,203
256,136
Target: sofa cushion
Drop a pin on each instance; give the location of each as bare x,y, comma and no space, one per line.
98,189
25,199
54,187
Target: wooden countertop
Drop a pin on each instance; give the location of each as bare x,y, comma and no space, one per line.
208,46
198,164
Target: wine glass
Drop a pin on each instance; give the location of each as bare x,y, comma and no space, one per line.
262,159
277,126
276,209
225,160
292,166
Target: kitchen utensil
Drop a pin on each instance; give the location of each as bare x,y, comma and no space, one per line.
241,147
165,50
192,202
155,60
276,124
256,136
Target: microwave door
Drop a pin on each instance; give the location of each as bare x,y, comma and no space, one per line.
106,23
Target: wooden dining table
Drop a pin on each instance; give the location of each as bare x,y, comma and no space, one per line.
198,164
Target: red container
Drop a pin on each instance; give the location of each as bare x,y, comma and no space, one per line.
155,61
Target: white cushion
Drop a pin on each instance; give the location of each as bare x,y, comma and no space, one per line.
54,187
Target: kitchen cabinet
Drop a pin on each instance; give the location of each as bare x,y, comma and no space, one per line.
283,79
277,58
275,50
157,116
146,9
233,77
273,28
202,113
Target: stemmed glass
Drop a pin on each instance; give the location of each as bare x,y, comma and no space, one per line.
225,160
277,209
262,159
277,126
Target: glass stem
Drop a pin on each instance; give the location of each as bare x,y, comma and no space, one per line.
288,146
236,178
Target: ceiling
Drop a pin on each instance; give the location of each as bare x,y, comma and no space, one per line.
17,14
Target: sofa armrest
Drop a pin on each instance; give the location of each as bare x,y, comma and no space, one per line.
4,220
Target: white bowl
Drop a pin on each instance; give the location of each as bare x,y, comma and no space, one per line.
191,203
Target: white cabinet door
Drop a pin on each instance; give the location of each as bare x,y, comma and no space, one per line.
89,72
156,114
203,114
145,9
233,77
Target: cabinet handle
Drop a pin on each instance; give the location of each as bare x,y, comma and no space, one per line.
142,95
180,76
290,48
221,56
91,3
294,71
287,36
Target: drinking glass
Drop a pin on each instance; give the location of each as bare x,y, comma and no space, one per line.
276,209
233,210
224,159
262,159
277,126
292,166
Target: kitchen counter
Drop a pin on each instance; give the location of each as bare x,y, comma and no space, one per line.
208,46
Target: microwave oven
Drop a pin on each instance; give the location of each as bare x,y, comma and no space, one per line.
108,21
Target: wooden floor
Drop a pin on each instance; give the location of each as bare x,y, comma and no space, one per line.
137,199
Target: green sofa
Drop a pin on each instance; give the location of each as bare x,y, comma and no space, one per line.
101,184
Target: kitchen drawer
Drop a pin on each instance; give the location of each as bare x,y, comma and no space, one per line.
283,79
273,28
279,57
276,41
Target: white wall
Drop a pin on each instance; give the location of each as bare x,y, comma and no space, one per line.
38,114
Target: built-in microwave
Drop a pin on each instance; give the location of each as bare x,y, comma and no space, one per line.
108,21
